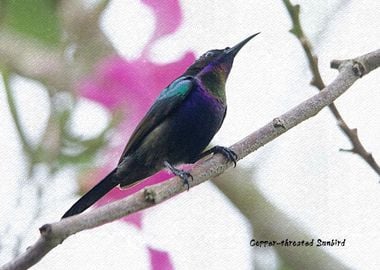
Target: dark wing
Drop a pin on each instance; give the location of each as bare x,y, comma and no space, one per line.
169,99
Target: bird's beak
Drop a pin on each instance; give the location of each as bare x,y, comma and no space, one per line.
234,50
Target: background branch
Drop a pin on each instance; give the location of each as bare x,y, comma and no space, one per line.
27,147
55,233
351,133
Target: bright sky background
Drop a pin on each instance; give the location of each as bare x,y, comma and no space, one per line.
332,194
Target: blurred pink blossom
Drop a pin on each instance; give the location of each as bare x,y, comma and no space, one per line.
159,259
130,86
165,24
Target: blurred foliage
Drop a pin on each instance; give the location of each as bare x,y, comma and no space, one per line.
79,151
58,146
35,18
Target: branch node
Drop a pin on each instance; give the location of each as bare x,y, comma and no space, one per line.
278,123
358,69
297,9
335,64
150,195
45,230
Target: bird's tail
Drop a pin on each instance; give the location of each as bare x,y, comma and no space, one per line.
97,192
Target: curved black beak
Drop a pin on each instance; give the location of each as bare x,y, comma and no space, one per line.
234,50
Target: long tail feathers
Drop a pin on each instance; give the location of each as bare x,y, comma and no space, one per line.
97,192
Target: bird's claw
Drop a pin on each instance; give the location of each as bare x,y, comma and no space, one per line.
226,152
184,175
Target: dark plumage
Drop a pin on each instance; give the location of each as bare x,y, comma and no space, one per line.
177,128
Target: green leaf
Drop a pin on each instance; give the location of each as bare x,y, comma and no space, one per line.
35,18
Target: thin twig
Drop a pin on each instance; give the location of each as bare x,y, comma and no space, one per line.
55,233
16,119
351,133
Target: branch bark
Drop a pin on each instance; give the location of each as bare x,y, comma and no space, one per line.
55,233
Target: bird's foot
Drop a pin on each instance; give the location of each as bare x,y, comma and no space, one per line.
184,175
226,152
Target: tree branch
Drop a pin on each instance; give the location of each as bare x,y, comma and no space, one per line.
55,233
351,133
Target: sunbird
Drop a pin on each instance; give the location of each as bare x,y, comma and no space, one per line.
176,129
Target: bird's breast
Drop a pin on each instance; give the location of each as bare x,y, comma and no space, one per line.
193,125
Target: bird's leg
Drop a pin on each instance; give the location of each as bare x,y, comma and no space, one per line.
184,175
226,152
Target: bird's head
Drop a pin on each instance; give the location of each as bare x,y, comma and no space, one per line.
213,67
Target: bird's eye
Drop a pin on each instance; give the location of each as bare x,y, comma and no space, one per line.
227,48
209,54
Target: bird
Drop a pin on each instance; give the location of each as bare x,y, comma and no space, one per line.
176,129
